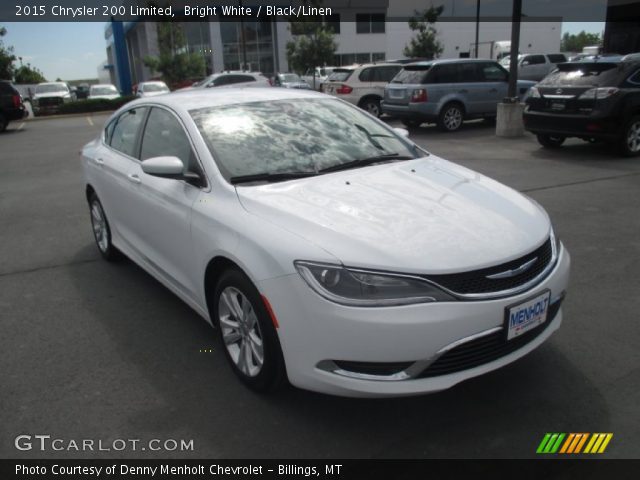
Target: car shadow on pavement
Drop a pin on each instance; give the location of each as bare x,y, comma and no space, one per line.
191,394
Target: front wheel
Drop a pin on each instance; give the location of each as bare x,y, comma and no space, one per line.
372,105
451,117
630,141
550,141
101,230
248,333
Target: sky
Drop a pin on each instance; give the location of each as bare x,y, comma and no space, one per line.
73,51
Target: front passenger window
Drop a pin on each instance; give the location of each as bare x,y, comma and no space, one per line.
125,133
164,136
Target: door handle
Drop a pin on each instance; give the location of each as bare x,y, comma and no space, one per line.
133,178
99,162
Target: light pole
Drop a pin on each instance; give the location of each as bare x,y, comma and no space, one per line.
477,26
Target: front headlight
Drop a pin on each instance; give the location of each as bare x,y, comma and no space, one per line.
363,288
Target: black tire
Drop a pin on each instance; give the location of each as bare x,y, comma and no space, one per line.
629,144
3,123
451,117
102,231
411,122
271,375
550,141
371,105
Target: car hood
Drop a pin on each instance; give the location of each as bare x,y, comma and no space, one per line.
105,97
421,216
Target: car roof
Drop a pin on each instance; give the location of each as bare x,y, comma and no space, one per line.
152,82
52,83
193,99
445,61
103,85
366,65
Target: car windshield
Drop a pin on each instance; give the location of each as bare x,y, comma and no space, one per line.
294,136
155,87
51,88
289,78
110,90
583,74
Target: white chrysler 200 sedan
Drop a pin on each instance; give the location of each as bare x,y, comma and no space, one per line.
327,248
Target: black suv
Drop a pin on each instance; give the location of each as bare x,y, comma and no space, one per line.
589,100
11,107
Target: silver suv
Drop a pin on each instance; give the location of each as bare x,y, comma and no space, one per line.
448,92
361,85
535,66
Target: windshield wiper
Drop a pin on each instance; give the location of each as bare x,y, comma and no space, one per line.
270,177
363,162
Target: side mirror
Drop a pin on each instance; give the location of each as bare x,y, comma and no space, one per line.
165,167
403,132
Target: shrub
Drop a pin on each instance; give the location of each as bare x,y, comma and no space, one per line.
94,105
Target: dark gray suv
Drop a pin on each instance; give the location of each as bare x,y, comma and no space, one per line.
448,92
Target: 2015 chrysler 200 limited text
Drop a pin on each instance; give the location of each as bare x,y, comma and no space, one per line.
327,248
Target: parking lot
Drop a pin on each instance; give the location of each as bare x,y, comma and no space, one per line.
103,351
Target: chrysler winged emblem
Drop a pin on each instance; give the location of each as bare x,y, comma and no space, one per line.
512,273
559,91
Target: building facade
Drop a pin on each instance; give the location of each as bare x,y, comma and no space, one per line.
364,31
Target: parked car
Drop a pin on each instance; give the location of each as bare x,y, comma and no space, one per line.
326,247
448,92
104,91
82,91
592,101
290,80
49,96
535,66
11,106
321,76
151,89
233,79
362,85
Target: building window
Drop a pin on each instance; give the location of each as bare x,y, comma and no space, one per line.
378,57
333,23
370,22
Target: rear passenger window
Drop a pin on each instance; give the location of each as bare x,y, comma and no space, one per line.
164,136
534,59
556,58
240,78
366,75
385,74
125,133
444,74
469,73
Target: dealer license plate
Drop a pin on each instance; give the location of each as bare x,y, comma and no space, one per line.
396,93
526,316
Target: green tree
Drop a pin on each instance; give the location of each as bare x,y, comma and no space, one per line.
425,44
28,74
174,62
576,42
313,44
6,58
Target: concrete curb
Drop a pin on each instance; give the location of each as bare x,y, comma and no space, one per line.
68,115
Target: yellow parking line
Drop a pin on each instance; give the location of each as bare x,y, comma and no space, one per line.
20,126
89,120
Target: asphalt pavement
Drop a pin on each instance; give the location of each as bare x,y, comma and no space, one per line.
92,350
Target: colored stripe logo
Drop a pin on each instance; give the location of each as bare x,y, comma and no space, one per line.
573,443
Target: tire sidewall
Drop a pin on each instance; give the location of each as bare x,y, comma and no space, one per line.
3,123
110,253
272,374
372,101
624,146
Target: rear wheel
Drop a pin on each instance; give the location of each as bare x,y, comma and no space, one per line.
550,141
630,141
451,117
371,105
3,123
249,337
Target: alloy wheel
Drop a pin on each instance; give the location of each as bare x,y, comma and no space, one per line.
241,331
633,137
452,118
100,229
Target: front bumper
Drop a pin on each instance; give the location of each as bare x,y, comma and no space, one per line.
314,333
568,125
